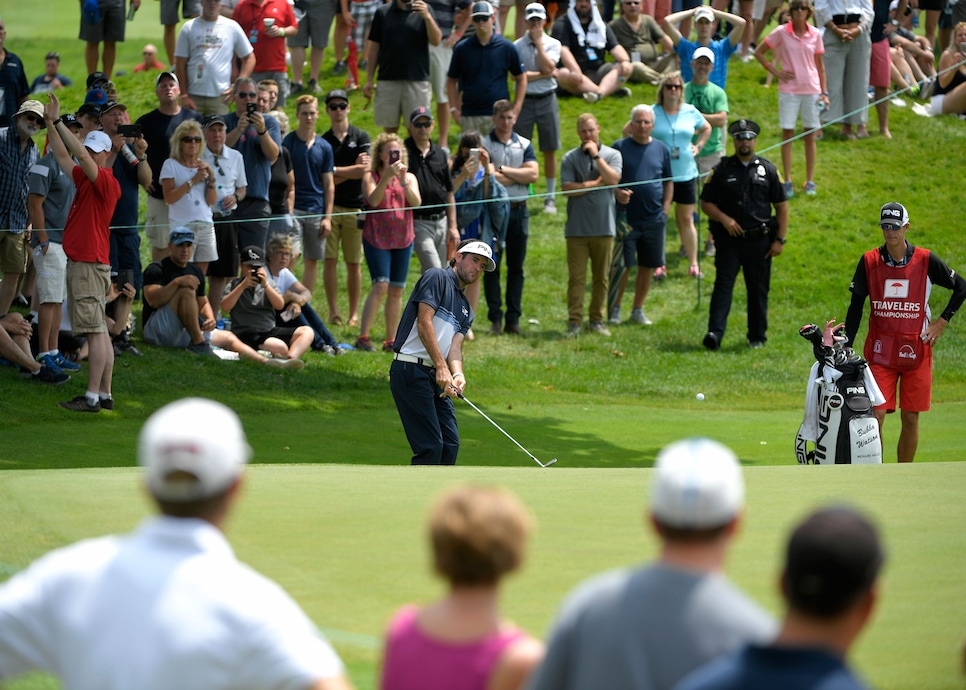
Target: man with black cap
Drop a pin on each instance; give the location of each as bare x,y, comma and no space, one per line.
648,627
830,587
170,604
157,126
897,278
434,221
738,199
18,153
427,369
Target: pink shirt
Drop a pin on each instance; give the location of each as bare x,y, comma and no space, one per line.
415,661
797,54
392,229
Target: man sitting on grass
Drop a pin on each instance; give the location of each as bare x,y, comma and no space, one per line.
15,349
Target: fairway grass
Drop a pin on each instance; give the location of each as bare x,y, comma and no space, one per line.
348,543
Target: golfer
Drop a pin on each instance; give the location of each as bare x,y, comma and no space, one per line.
167,606
897,278
427,368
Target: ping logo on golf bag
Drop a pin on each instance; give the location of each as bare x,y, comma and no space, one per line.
855,390
896,287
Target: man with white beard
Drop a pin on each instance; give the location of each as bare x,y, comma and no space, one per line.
18,153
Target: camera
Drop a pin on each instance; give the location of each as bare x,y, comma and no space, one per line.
255,271
124,276
250,108
129,130
393,157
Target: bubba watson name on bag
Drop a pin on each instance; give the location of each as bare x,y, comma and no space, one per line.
839,421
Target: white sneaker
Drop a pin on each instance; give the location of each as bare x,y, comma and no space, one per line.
573,329
600,329
591,96
637,316
615,316
549,205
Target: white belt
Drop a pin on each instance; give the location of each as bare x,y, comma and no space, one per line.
413,359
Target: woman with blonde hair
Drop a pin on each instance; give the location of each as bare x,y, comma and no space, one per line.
461,642
949,94
391,192
188,185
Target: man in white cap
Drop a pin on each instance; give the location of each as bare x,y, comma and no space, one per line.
427,369
169,605
705,19
87,244
18,154
897,277
648,627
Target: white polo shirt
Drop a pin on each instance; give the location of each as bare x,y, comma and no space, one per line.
166,607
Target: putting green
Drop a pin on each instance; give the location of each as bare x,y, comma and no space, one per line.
347,542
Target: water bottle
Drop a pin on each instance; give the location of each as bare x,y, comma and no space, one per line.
129,155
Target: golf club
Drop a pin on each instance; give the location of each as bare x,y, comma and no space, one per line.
532,456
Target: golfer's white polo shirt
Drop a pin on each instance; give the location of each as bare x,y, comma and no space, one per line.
166,607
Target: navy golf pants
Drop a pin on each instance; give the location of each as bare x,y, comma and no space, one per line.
429,420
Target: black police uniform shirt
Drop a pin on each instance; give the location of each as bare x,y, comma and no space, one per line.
744,192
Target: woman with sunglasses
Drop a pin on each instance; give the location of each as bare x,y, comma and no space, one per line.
391,192
676,123
188,185
801,86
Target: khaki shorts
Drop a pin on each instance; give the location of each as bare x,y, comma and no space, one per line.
396,99
13,252
205,249
156,223
345,231
210,105
439,57
87,285
52,274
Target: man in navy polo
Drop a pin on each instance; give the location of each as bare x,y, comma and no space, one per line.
427,369
478,71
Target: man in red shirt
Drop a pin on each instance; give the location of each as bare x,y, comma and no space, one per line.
87,243
267,23
897,278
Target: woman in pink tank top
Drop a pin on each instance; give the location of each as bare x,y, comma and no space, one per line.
461,642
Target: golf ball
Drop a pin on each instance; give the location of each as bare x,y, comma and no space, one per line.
699,396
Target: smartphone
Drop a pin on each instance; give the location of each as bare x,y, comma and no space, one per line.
124,276
962,48
129,130
393,157
251,108
475,154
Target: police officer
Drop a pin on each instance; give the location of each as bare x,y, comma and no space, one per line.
738,199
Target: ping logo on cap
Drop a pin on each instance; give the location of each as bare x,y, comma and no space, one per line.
894,212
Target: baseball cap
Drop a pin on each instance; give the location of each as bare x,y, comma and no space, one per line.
535,9
96,97
742,126
421,111
252,256
181,235
705,13
893,213
481,248
482,9
110,105
34,108
703,52
70,120
89,109
214,120
192,449
336,93
52,55
95,78
697,485
832,557
169,75
97,141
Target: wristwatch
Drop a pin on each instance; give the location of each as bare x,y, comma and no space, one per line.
781,240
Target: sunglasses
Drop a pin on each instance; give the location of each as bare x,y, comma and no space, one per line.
247,94
890,226
480,19
798,9
337,106
218,167
191,140
632,2
673,86
745,136
34,119
423,125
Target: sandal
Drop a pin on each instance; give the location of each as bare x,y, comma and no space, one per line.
695,271
660,273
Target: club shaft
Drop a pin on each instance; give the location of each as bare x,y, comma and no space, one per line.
502,431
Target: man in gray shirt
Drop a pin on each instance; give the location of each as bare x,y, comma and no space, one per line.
646,628
587,175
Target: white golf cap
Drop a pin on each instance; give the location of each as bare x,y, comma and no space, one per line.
535,9
703,52
481,248
697,485
97,141
704,12
192,449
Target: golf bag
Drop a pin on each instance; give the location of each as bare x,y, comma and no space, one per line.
841,393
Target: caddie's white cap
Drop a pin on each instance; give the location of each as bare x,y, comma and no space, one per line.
97,141
192,449
481,248
697,485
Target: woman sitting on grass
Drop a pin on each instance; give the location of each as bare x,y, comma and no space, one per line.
461,642
949,96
